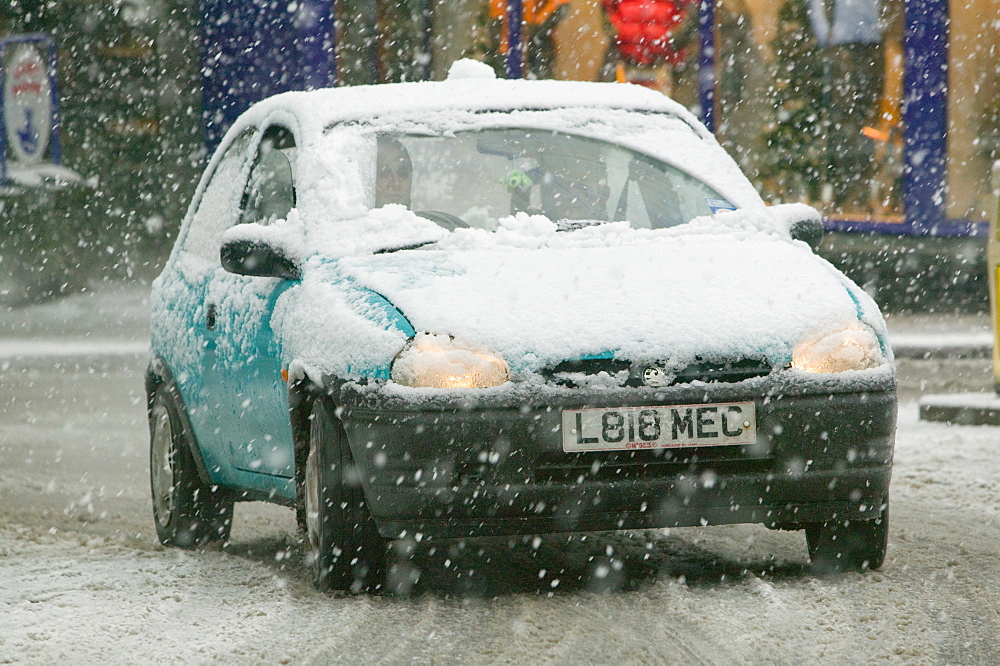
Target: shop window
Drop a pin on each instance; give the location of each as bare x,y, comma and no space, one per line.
809,100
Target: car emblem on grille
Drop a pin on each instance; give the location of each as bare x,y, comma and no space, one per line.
655,376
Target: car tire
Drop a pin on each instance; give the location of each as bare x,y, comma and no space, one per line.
187,512
848,545
345,549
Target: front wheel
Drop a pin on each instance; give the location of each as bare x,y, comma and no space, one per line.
848,545
345,548
187,512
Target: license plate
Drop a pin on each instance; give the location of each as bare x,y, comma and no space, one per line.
659,427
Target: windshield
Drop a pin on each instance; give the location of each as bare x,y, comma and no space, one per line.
473,178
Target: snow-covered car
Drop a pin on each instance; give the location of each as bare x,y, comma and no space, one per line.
480,307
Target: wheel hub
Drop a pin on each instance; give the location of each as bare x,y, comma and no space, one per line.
162,465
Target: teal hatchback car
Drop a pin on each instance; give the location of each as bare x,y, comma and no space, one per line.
480,307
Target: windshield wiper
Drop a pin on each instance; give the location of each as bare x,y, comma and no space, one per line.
412,246
573,225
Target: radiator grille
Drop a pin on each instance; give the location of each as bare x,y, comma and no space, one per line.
575,374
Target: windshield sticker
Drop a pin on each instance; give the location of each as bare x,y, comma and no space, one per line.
717,205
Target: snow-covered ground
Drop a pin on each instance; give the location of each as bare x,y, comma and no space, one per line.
82,579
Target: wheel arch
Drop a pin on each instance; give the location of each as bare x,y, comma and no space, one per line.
158,374
302,393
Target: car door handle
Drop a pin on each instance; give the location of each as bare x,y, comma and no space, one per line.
210,317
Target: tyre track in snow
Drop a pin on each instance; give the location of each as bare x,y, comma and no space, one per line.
579,628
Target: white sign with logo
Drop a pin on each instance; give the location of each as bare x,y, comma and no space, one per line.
27,97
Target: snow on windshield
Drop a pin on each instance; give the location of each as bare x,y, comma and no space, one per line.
471,179
474,168
398,181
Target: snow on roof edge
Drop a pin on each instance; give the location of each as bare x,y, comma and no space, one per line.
322,107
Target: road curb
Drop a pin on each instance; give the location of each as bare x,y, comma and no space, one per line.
961,408
927,352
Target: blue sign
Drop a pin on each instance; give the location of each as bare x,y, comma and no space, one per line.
29,111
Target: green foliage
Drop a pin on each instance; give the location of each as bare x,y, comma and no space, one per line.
795,143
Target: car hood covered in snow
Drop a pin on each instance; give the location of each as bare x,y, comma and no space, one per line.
637,295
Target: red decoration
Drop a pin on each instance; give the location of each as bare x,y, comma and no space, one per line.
645,29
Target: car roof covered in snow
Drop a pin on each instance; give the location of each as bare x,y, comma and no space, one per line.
470,86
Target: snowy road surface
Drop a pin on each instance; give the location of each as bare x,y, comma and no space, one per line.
82,579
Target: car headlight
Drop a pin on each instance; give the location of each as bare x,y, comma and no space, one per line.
438,361
854,347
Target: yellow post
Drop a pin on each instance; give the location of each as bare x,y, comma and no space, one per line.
993,257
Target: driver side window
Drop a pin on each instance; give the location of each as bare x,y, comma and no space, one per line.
270,192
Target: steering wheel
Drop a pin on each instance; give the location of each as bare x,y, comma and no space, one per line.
442,219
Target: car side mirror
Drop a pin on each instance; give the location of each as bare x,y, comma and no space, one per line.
809,232
803,222
254,257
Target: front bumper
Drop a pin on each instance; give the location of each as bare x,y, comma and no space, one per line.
446,468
